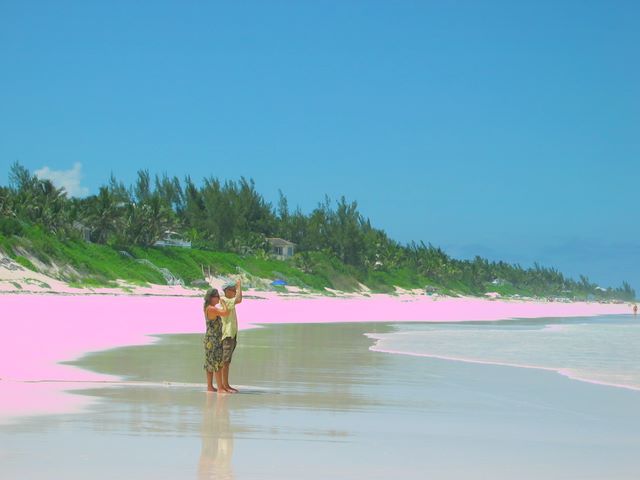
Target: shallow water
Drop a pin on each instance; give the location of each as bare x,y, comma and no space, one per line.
604,350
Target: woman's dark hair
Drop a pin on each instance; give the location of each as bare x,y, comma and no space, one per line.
212,292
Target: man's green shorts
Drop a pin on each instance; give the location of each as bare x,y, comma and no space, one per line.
228,346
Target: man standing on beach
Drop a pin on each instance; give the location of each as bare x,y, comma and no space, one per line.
232,297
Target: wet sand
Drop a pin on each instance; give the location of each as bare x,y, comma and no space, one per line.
315,402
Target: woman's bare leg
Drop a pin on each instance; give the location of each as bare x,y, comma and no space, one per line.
210,387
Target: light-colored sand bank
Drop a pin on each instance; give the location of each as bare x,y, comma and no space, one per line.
14,278
39,331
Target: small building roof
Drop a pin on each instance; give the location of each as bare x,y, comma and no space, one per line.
280,242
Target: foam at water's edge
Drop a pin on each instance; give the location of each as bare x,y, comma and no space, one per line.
562,371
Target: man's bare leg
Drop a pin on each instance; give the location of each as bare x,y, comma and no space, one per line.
225,378
221,387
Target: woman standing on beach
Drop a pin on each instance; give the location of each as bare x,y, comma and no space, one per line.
213,340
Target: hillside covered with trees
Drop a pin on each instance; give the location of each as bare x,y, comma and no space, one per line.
229,222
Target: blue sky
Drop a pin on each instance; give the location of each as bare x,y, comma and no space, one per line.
506,129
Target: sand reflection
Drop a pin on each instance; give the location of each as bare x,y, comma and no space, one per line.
217,440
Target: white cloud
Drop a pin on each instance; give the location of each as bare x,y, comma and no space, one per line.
67,179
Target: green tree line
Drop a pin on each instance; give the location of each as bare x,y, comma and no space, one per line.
233,216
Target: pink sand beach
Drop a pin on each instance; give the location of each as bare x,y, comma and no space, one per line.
39,331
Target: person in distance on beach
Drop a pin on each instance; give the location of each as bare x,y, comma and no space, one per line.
232,297
213,339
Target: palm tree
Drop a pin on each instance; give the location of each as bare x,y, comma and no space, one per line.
105,216
52,203
146,222
6,203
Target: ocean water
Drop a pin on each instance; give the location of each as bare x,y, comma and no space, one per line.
603,350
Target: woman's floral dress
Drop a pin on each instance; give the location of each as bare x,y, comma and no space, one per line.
213,345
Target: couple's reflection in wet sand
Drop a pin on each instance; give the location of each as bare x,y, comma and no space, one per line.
217,440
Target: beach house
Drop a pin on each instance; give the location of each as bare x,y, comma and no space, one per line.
280,248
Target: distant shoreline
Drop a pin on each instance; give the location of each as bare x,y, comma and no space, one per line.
27,282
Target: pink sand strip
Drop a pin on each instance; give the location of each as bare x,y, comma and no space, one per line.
38,331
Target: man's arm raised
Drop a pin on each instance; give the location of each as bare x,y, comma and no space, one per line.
238,292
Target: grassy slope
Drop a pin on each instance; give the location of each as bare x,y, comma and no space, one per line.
90,264
187,263
83,263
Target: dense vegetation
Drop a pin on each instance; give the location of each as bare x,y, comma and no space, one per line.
228,224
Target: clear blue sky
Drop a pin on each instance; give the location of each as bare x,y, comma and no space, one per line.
506,129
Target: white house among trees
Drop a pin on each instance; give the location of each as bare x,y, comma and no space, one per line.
281,248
